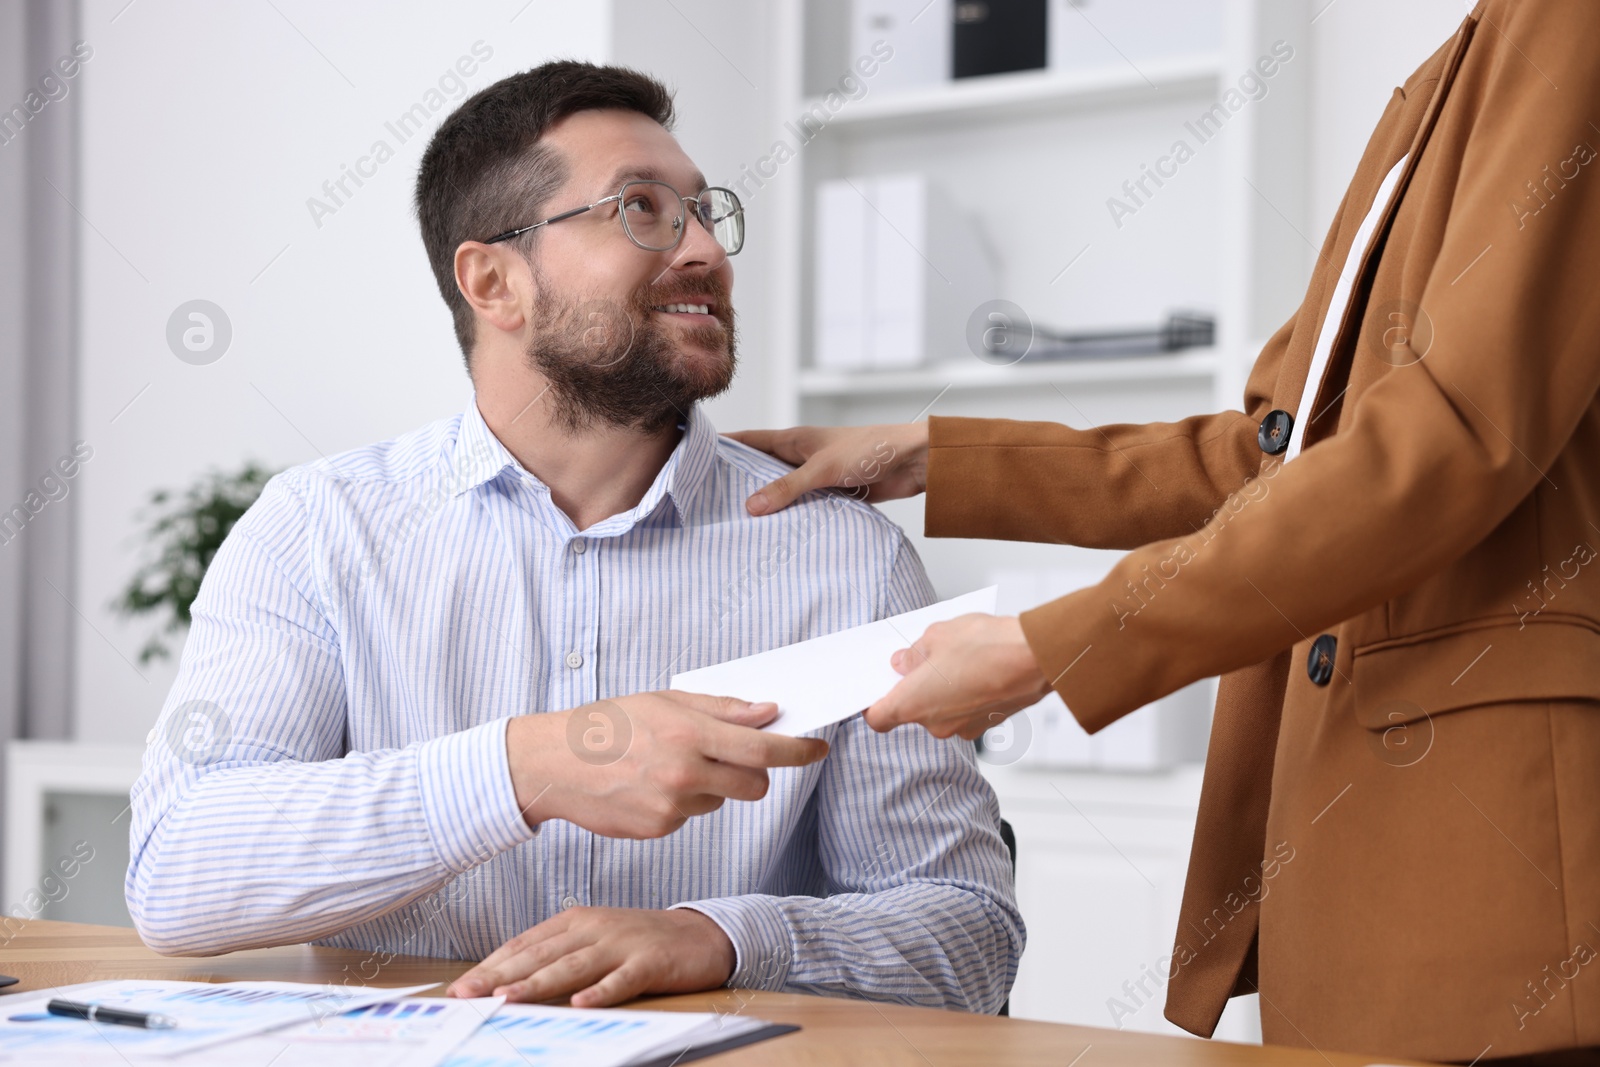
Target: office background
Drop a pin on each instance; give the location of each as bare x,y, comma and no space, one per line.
229,153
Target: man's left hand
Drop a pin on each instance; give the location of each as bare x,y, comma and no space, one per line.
963,677
605,956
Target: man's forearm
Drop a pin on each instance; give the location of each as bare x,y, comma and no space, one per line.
287,852
923,943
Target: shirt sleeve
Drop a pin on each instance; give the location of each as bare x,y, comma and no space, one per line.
251,823
919,904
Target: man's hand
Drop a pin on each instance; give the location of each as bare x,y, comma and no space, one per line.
962,677
643,765
879,462
604,956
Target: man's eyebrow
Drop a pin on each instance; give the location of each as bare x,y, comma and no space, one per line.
630,172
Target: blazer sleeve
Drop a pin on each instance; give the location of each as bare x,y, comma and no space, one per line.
1106,487
1432,456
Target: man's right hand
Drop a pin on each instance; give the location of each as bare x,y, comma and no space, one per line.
878,462
643,765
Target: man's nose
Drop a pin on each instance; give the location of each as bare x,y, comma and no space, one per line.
698,250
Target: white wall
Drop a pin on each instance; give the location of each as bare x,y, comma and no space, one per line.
206,129
717,56
1361,51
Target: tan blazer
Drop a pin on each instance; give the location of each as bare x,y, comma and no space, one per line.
1402,840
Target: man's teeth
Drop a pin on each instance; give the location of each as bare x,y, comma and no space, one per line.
694,309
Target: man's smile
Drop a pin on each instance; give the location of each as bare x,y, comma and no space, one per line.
690,312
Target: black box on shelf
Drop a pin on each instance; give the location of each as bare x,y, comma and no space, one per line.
996,36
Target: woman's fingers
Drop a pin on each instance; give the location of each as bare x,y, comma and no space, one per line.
962,676
780,493
876,462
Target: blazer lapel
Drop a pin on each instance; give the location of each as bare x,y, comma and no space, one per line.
1331,389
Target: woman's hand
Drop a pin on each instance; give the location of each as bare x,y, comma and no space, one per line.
878,462
963,677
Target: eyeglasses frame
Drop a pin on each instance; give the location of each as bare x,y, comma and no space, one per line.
622,215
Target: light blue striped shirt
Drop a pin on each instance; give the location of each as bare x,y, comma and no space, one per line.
330,765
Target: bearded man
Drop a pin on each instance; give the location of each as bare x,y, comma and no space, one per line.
432,667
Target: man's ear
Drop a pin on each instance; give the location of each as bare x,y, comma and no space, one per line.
496,281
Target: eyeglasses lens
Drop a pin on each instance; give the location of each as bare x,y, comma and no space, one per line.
652,214
724,217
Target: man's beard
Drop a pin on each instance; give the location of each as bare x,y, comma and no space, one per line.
615,364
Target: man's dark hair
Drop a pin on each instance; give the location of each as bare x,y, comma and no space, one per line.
486,170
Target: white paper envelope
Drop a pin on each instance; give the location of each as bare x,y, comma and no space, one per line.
822,681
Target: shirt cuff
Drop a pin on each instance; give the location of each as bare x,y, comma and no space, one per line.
760,936
467,796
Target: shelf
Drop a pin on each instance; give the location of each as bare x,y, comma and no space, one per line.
1196,365
998,96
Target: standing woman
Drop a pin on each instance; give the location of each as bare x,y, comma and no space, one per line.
1387,554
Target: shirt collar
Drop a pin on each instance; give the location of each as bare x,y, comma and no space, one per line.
686,470
479,457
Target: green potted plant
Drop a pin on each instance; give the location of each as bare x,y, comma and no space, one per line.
183,533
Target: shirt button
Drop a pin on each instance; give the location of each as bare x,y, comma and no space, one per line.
569,902
1273,436
580,546
574,660
1319,665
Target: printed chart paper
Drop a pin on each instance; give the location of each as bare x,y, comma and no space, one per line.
827,679
395,1031
207,1014
417,1032
531,1035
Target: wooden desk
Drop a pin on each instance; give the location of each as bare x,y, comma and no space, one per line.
835,1031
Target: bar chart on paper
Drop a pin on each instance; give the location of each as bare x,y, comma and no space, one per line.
521,1035
396,1033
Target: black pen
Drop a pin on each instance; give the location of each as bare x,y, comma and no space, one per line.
148,1020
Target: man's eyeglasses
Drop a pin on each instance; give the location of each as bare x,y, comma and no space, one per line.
653,217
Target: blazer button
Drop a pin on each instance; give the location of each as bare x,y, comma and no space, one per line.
1319,665
1273,436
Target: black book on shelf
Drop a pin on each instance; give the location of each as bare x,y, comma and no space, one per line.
996,36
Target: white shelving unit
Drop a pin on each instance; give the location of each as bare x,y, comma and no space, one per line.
1036,157
61,795
1030,93
1197,365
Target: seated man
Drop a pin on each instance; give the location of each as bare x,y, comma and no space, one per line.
414,659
